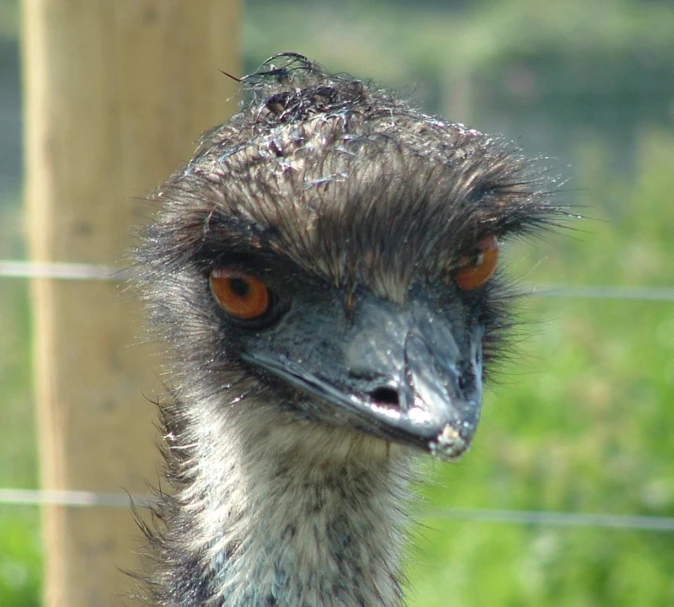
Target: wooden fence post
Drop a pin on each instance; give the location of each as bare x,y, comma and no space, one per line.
116,93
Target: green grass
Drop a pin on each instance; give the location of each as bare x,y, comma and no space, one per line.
20,558
583,425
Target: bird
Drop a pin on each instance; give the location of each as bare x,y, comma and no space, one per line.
323,274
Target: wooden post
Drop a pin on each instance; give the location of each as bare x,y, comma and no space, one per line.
116,94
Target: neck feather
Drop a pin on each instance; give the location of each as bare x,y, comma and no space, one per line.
272,511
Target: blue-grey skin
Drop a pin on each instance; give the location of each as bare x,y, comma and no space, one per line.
290,439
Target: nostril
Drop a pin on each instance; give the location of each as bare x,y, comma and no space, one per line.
385,396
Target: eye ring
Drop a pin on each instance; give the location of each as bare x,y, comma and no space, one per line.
240,295
475,270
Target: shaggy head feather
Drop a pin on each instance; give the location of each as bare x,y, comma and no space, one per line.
330,187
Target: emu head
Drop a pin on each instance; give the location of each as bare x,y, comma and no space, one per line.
332,252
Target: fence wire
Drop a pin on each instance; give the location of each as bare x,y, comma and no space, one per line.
86,271
91,499
61,270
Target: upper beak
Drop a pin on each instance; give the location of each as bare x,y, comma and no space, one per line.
404,378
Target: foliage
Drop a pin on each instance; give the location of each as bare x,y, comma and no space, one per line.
9,18
20,563
582,425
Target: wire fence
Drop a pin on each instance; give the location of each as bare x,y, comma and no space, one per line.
61,270
92,499
85,271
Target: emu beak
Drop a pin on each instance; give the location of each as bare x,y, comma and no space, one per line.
403,378
423,388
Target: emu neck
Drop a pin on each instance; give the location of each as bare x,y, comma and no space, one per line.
294,514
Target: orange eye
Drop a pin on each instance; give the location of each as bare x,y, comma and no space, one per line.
240,295
475,270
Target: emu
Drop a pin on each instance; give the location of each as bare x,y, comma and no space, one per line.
324,275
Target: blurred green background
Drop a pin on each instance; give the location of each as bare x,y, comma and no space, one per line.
581,418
